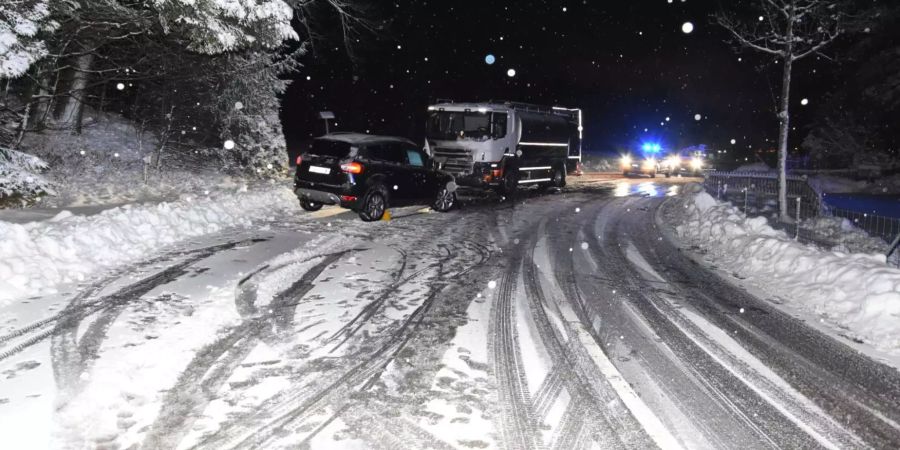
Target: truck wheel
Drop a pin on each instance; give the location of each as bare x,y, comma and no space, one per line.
310,206
510,185
559,178
374,204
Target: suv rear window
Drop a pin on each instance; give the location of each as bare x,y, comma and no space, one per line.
325,147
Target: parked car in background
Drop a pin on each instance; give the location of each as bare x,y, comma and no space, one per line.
368,174
685,163
639,166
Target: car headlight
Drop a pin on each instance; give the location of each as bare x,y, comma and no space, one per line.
626,160
696,163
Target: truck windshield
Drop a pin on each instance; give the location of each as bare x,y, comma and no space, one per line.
452,125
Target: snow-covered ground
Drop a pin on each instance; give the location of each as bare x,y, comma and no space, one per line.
37,257
559,320
858,293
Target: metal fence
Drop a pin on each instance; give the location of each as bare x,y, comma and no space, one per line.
756,194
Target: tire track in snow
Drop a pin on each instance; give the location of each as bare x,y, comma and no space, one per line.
348,376
518,423
87,303
217,361
587,391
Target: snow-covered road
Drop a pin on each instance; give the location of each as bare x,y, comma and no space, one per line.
560,321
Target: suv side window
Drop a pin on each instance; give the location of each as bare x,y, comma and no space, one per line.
386,152
415,157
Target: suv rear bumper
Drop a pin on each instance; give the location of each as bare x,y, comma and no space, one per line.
325,198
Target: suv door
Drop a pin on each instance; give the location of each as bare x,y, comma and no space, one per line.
422,176
392,164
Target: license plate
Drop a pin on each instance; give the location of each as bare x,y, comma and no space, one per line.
322,170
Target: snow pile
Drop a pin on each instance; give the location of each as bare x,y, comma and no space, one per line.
846,236
858,292
755,167
20,174
37,257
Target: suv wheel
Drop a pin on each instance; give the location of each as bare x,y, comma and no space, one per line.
374,204
310,206
445,200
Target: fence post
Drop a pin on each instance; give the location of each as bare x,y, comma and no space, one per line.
797,233
746,193
893,248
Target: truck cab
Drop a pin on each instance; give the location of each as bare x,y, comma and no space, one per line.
504,145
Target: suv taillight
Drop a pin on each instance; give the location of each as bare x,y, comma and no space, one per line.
299,160
353,167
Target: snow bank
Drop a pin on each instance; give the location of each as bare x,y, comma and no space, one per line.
756,167
37,257
858,292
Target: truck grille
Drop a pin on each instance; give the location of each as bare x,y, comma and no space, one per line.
459,161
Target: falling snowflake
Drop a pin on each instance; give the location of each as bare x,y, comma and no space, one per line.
742,310
687,27
238,106
804,102
492,284
511,73
584,245
733,141
490,59
120,86
395,187
697,117
577,210
269,166
229,144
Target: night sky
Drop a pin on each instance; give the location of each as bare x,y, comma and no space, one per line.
628,64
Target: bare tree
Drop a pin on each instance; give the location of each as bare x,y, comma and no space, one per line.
790,30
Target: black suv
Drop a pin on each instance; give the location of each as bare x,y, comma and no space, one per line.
367,173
